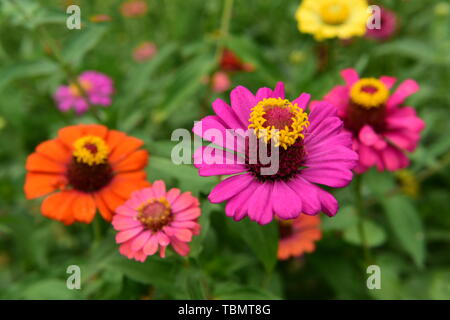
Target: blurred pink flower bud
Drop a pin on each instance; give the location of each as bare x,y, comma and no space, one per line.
145,51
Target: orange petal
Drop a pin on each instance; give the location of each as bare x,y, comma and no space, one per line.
134,175
39,184
39,163
84,207
123,187
55,150
58,206
96,130
69,134
124,149
135,161
111,199
105,212
115,138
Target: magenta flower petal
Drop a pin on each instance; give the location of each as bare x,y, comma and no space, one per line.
229,187
321,154
226,113
405,89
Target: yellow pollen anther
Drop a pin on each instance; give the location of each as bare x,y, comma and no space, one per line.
285,136
334,11
75,90
90,150
369,93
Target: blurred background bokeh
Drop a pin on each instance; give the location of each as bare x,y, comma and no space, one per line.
166,60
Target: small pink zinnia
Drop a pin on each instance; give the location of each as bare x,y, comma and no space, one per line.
134,8
220,81
383,129
153,218
97,87
145,51
388,26
312,149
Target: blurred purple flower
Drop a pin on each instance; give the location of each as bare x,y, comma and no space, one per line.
97,87
388,25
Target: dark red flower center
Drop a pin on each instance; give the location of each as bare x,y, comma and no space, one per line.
155,215
289,160
357,117
285,228
89,178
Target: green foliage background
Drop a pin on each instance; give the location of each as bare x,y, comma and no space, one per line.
409,237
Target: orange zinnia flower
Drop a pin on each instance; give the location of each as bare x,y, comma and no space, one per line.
86,167
297,236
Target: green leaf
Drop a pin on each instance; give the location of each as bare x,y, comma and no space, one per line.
26,69
375,235
81,42
263,240
154,271
50,289
407,226
233,291
186,175
379,183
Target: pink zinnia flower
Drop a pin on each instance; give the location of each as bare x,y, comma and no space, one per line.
145,51
97,87
153,218
220,81
134,8
383,129
388,26
312,150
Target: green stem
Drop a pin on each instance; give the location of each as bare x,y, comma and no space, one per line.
224,26
360,213
65,67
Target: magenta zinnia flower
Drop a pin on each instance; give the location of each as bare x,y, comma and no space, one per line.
312,150
383,129
153,218
97,89
388,26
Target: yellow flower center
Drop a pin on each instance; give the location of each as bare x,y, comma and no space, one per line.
90,150
334,11
369,93
75,90
278,119
155,214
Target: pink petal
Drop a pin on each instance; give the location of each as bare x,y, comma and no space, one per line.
139,242
278,92
172,195
308,194
404,90
350,76
237,206
159,189
302,100
163,239
259,207
229,187
368,136
388,81
120,222
182,248
184,201
263,93
242,100
329,204
226,113
189,214
151,246
126,235
285,202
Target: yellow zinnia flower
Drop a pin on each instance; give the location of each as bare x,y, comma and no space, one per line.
333,18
